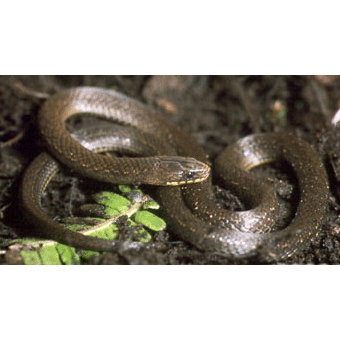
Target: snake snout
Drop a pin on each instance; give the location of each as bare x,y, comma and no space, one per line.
182,170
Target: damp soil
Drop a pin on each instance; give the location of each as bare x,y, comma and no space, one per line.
217,111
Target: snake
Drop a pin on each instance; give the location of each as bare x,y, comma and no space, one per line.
171,161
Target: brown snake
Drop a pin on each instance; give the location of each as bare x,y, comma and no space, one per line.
191,209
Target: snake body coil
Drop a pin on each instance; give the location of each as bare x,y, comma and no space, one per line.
175,158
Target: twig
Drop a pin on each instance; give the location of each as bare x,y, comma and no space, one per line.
319,98
28,92
13,140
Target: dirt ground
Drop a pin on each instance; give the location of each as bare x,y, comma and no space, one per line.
217,110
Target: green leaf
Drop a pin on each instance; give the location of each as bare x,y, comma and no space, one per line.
30,256
150,220
113,201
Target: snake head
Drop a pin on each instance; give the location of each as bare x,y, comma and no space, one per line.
176,170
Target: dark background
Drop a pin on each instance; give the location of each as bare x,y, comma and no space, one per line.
217,110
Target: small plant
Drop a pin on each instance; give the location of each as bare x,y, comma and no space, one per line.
134,205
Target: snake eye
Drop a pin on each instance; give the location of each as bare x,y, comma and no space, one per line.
189,176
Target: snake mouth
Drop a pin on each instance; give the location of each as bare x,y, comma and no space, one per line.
198,180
